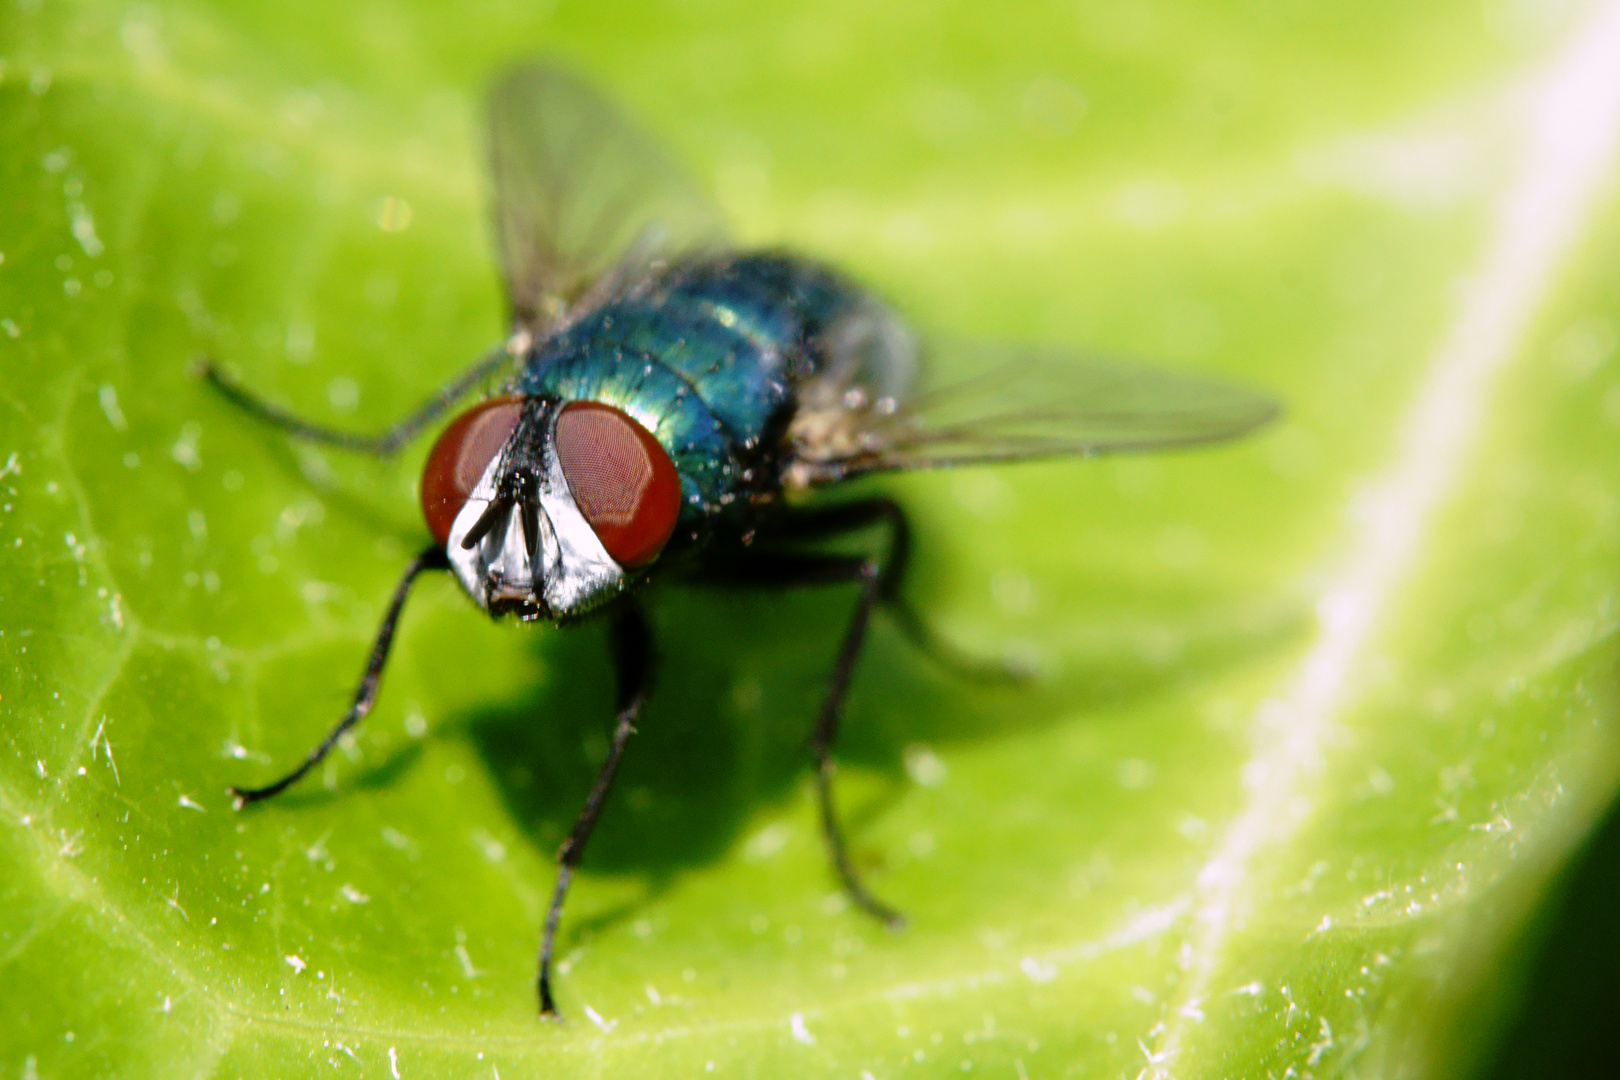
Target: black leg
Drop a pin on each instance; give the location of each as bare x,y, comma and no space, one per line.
947,654
632,653
880,584
842,518
826,730
366,694
772,569
384,444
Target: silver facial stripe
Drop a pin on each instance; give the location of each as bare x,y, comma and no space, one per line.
574,572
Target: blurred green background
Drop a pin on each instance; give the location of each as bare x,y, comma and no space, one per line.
1206,842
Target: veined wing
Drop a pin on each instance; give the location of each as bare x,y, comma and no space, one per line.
583,200
1026,405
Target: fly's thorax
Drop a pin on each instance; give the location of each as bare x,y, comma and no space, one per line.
577,501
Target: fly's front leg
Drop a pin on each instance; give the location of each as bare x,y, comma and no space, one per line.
384,444
365,694
632,657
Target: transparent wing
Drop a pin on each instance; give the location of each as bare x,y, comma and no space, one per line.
1025,405
581,196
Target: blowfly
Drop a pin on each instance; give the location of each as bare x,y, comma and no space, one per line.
666,406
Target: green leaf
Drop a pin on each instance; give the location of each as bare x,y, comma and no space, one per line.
1319,714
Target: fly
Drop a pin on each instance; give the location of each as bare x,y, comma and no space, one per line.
666,406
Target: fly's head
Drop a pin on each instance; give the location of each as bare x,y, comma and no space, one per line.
548,509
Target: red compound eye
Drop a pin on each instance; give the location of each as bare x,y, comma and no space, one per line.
621,479
460,456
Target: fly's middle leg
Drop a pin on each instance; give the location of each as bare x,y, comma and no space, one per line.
383,444
871,578
879,579
772,569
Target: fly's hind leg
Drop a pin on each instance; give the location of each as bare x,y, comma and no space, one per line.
860,514
383,444
946,653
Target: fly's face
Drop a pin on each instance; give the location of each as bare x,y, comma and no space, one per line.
548,509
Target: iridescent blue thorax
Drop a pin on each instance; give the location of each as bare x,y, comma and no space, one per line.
709,356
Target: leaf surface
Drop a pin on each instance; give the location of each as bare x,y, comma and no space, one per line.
1318,714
